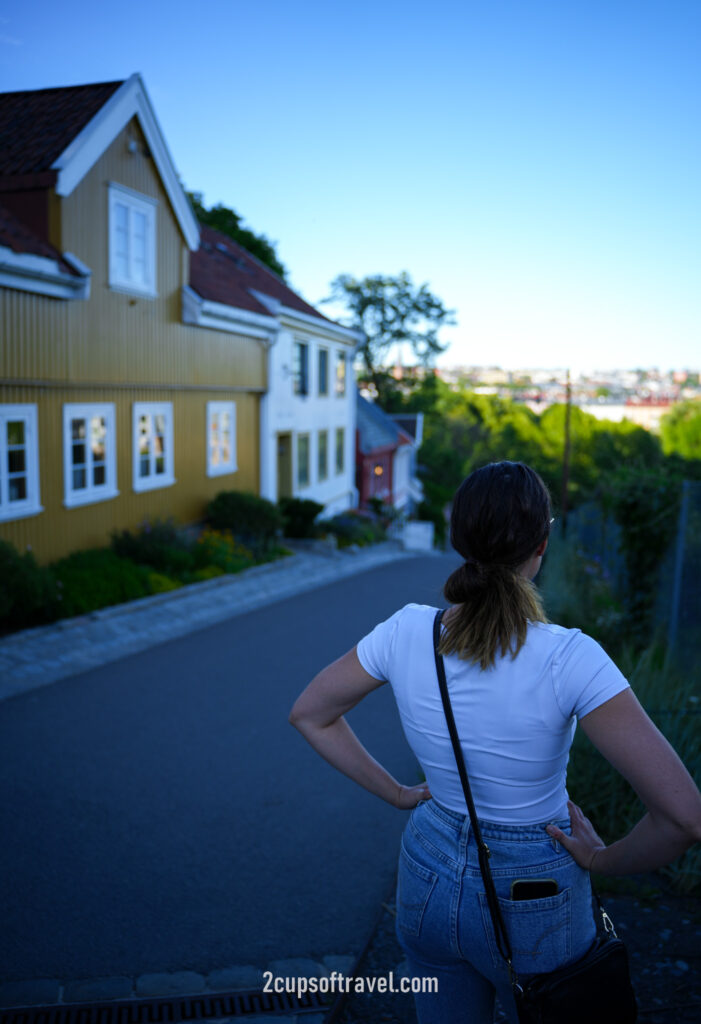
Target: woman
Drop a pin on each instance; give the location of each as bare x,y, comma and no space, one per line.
518,686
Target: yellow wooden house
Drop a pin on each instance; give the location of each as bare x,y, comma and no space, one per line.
115,406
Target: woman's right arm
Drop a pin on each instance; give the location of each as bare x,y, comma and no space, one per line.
621,730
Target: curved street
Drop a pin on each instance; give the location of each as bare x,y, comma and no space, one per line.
159,814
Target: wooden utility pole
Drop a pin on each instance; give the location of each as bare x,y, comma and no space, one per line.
566,453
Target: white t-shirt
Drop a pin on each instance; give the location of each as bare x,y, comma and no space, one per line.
516,720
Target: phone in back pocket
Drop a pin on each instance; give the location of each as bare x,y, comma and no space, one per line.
533,888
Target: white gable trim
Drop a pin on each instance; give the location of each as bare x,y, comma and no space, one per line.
203,313
327,327
42,275
130,100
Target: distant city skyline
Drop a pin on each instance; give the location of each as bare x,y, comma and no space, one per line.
536,165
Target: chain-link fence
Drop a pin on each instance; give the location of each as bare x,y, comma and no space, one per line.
678,603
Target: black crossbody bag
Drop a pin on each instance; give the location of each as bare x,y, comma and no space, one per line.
595,989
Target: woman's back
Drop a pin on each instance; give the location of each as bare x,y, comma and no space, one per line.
515,720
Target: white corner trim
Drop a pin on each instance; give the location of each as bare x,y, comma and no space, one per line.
328,327
130,100
203,313
42,275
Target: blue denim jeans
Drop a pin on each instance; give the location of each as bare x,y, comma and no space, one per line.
443,920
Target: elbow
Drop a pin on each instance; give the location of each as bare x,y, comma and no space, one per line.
687,828
294,717
694,832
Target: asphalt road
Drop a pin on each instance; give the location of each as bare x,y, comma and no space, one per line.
159,813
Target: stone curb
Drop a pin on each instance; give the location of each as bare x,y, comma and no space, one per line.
46,654
240,977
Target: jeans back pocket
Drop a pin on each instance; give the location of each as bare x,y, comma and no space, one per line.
540,932
414,886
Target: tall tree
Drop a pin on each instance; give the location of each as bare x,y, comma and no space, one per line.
392,311
226,220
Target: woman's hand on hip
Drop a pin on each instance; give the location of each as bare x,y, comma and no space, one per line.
584,843
409,797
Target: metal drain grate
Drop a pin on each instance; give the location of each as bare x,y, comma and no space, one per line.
168,1010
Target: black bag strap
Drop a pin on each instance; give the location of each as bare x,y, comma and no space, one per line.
500,932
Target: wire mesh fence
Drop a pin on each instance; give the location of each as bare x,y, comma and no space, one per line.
678,602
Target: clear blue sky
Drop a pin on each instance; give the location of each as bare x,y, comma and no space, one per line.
537,163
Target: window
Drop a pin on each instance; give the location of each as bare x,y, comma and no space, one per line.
19,462
153,445
300,370
132,245
302,460
323,455
340,449
221,438
323,371
340,373
89,453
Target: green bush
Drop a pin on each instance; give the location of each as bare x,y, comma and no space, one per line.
160,584
254,521
208,572
217,549
353,528
299,517
158,544
431,513
88,580
28,594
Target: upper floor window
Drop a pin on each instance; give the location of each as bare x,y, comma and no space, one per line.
132,241
89,453
323,371
19,462
153,445
340,373
300,369
221,438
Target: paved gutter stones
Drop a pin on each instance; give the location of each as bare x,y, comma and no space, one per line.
242,977
37,657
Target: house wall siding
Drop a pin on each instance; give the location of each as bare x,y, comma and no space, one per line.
115,336
288,413
59,530
123,348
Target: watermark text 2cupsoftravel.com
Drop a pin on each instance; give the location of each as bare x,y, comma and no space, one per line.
344,983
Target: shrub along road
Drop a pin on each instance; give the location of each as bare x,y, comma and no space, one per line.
159,813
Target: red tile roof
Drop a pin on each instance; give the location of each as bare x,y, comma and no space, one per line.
222,271
36,126
14,235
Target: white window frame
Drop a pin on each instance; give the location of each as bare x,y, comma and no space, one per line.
135,202
92,493
218,409
31,504
154,481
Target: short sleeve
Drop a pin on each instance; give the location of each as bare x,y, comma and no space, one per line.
584,676
375,649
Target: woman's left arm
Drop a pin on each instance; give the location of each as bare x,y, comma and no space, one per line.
318,714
